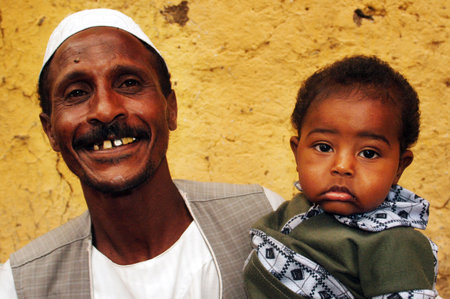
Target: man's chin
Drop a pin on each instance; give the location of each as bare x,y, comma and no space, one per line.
117,185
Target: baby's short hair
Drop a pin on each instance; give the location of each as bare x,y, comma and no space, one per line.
372,76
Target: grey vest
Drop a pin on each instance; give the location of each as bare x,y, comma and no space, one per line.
57,264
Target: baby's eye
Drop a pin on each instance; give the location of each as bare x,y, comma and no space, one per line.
369,154
323,147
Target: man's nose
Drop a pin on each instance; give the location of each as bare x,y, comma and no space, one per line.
343,164
106,106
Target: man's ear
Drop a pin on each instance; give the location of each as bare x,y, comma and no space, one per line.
47,126
406,159
172,110
294,145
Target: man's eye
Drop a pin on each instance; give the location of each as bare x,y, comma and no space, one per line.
323,147
76,93
130,83
369,154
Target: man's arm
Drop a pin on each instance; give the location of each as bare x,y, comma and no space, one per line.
275,199
7,288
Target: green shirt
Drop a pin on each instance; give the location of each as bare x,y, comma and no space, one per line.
367,263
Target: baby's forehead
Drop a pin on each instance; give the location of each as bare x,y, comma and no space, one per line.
349,95
364,92
354,118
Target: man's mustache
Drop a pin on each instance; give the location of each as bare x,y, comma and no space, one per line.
111,131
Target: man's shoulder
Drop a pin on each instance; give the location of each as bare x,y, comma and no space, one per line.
74,230
205,191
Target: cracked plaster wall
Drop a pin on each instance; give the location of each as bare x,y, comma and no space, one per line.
236,68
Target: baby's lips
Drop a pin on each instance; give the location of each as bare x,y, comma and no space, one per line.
338,196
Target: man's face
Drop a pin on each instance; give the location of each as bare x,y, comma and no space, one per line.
109,119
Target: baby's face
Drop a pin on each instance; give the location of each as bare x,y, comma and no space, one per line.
348,154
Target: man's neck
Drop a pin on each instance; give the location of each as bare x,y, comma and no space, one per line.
141,224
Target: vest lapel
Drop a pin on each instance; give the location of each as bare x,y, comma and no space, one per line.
225,213
56,265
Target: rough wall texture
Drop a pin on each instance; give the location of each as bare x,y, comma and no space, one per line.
236,68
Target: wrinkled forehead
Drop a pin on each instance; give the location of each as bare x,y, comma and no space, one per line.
91,18
108,49
99,40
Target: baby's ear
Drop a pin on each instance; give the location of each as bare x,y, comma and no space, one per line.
294,145
406,159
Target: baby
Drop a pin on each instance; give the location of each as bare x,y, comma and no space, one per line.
350,232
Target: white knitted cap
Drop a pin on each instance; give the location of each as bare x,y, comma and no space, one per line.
85,19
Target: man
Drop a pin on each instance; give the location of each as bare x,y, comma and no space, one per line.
107,107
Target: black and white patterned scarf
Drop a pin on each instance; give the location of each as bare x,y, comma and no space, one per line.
305,277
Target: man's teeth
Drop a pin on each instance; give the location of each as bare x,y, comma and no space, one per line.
107,144
118,142
127,140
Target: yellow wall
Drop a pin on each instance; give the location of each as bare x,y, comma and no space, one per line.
236,68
